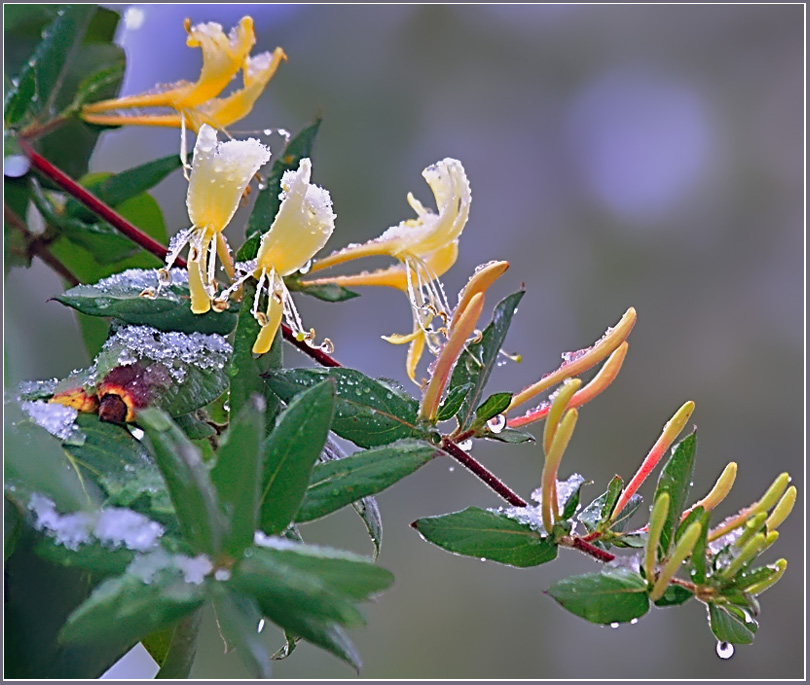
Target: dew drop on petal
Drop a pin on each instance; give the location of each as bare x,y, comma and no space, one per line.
725,650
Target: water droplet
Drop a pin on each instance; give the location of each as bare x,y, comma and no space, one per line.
305,269
451,468
497,423
725,650
614,625
483,558
465,445
327,346
633,622
261,626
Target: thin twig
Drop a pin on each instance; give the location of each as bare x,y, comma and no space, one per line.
36,246
481,472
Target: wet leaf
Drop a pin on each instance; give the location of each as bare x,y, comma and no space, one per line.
188,482
120,296
476,362
238,617
675,479
237,475
731,624
290,452
616,595
328,292
368,412
334,484
492,406
673,596
488,535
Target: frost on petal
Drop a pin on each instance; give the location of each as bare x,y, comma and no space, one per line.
302,226
220,173
57,419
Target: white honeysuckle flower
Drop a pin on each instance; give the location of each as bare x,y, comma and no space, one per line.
426,248
302,226
220,172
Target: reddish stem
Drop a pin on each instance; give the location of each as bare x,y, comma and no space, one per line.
482,473
92,203
591,550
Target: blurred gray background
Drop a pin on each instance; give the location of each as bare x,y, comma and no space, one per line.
618,155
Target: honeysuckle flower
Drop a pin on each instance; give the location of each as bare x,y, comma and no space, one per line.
302,226
220,172
197,103
426,248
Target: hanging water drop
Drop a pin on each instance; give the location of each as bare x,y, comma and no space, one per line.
465,445
725,650
497,423
327,346
614,625
305,269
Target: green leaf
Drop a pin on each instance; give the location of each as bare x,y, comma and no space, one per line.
125,609
12,525
598,512
368,412
188,481
35,461
194,428
476,362
120,296
115,189
120,465
675,479
238,616
290,452
328,292
510,436
181,649
492,406
452,403
731,624
238,472
334,484
369,511
574,483
90,556
488,535
43,74
616,595
177,372
267,202
698,557
674,595
345,573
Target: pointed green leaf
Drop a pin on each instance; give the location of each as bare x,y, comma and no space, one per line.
238,472
476,362
492,406
188,481
673,596
126,609
35,460
570,504
238,617
510,436
334,484
489,535
328,292
452,403
369,511
698,557
120,296
182,648
368,412
616,595
675,479
731,624
290,452
267,202
599,511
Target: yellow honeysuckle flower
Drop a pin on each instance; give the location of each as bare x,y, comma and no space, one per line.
220,172
426,248
195,104
302,226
